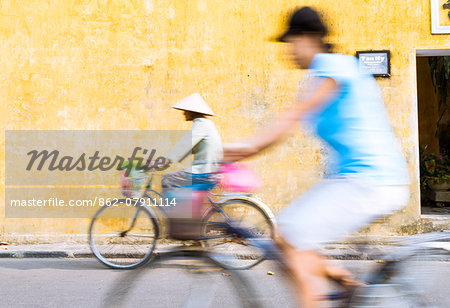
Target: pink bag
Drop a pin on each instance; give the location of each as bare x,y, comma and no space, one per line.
239,178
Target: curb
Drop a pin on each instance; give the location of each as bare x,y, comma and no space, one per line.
80,255
34,254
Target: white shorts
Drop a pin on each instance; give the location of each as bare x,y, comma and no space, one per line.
335,208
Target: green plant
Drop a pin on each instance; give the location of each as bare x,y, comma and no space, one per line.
434,168
440,76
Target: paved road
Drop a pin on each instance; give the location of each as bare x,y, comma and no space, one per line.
86,283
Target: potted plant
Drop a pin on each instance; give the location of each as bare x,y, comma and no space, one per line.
435,171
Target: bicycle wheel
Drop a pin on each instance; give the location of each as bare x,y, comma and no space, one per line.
188,282
123,236
228,250
417,280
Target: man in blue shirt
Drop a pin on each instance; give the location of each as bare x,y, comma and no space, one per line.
368,177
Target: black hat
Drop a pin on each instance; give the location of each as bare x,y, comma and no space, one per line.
304,20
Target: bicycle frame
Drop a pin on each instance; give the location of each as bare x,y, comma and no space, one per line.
211,223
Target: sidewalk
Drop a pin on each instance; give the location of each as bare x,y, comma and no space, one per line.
357,248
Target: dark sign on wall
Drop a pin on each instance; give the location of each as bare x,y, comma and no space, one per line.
375,62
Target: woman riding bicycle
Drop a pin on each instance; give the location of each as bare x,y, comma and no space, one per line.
369,176
187,186
203,141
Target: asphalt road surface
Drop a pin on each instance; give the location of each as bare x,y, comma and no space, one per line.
177,283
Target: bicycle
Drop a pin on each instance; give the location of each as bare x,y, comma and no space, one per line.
399,279
123,235
387,285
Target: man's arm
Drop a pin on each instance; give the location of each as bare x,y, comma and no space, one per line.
281,127
184,147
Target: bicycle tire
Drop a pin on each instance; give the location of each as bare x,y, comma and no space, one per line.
230,252
117,243
403,283
201,283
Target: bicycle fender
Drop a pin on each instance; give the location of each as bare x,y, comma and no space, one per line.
259,203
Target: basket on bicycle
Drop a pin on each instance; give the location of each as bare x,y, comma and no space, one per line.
132,180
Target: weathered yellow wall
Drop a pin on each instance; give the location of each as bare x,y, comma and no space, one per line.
110,64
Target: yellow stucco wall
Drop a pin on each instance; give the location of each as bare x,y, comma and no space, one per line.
96,64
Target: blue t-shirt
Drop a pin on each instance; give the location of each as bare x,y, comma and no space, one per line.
355,124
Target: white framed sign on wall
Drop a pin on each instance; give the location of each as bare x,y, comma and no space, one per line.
375,62
440,16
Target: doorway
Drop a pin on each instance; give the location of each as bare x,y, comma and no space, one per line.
433,101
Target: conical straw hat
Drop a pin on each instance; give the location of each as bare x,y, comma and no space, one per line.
194,103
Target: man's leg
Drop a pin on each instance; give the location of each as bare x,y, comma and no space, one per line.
175,179
342,276
308,271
